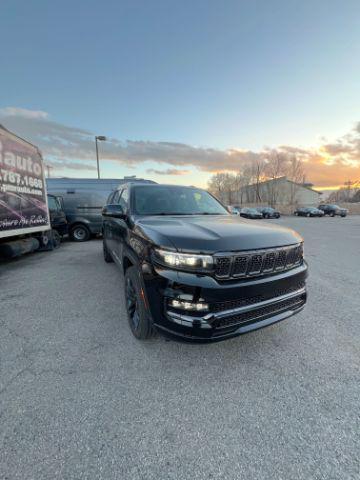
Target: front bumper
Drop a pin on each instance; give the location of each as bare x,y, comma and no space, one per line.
235,307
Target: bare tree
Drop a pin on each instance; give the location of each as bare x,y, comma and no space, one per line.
276,166
222,186
295,173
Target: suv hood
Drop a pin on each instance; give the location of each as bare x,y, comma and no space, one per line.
213,233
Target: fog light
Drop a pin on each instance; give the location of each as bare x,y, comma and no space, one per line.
186,305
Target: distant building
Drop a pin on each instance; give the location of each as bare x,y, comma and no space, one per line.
279,191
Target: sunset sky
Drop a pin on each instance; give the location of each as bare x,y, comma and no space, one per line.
183,89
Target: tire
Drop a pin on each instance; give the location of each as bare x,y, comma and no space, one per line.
308,215
343,215
79,233
107,255
332,214
56,238
139,319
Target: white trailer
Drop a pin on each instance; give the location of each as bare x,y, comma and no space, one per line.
24,213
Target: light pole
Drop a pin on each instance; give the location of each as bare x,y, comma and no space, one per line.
48,168
101,138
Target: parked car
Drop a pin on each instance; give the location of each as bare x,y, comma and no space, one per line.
268,212
192,269
57,215
250,213
83,199
308,212
333,210
233,209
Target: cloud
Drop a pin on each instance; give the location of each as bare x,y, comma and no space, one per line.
69,165
23,112
168,171
63,142
67,147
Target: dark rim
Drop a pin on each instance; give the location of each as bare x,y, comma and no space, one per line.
132,304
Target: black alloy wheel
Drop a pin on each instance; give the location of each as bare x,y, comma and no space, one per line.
132,305
138,316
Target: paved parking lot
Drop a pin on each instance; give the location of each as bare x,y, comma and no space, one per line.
82,399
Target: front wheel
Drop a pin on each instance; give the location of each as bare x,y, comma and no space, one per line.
138,317
56,238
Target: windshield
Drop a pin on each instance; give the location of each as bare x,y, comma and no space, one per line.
250,210
174,200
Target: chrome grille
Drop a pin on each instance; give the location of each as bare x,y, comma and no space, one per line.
257,262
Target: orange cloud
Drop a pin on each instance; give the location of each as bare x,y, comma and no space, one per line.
63,146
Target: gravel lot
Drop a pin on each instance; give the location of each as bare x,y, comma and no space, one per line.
82,399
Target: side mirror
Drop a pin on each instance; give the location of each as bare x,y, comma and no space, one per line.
115,211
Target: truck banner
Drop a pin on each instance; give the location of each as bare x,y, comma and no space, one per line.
23,200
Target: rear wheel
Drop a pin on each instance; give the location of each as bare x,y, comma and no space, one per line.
79,233
332,214
138,317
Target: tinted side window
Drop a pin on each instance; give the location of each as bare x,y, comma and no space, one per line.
116,197
110,197
53,203
124,199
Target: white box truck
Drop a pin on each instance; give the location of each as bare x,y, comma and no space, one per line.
24,214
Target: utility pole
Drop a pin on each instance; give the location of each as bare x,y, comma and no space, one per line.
48,168
101,138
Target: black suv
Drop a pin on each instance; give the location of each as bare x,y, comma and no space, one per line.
333,210
195,271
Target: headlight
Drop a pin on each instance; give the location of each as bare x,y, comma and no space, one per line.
184,261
